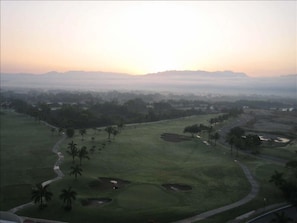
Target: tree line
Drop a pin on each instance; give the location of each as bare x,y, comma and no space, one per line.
101,114
237,138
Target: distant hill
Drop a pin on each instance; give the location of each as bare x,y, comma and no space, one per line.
199,73
197,82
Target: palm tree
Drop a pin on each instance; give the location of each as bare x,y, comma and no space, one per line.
75,170
115,132
82,132
209,131
230,140
67,195
40,193
278,179
70,132
216,136
120,126
72,150
83,153
109,130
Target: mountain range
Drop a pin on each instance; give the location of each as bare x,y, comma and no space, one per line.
197,82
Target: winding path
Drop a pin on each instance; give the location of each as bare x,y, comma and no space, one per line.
253,193
57,170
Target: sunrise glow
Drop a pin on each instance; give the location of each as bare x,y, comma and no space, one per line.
255,37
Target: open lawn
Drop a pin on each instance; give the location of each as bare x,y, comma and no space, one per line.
26,157
141,157
286,152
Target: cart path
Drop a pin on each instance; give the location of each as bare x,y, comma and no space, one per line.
57,170
253,193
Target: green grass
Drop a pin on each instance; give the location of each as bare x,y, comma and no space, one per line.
26,157
286,152
262,172
139,155
134,198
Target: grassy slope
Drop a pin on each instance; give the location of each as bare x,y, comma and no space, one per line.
139,155
262,172
286,152
26,157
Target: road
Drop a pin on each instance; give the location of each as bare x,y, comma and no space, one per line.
252,194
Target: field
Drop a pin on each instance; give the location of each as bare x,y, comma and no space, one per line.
143,162
26,158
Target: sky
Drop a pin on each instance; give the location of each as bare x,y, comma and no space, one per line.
258,38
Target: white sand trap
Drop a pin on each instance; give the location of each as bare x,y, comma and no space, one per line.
206,143
173,188
113,181
282,140
263,138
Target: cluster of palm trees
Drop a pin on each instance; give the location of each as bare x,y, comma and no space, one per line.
81,154
41,195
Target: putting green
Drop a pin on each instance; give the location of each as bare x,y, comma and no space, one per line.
145,196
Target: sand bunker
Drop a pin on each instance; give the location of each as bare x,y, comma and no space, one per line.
95,201
177,187
172,137
107,183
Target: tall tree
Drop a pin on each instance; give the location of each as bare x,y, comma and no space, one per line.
209,131
215,137
109,131
82,132
230,139
70,132
76,170
83,154
252,142
72,150
120,125
278,179
237,132
193,129
115,132
41,194
68,195
234,138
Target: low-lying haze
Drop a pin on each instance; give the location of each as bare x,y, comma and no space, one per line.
196,82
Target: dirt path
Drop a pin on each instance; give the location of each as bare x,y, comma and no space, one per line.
253,193
57,170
